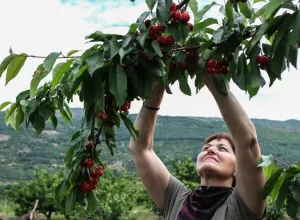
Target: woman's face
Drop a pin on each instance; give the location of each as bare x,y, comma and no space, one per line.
216,159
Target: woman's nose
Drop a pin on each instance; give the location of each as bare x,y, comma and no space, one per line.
211,150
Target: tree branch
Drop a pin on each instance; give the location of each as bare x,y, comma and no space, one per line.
280,161
34,209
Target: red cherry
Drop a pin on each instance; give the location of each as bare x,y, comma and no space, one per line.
93,173
211,70
126,106
212,63
100,172
191,55
94,181
155,30
170,39
147,23
173,65
263,60
183,66
173,6
99,168
102,116
143,54
90,138
83,164
219,67
85,187
162,40
90,163
185,17
191,26
176,15
89,147
93,187
160,28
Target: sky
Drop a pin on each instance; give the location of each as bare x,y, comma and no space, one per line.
39,27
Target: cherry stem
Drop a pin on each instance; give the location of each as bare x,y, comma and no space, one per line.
280,161
97,135
186,48
181,4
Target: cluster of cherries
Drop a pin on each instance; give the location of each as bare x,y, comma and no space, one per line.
95,171
214,67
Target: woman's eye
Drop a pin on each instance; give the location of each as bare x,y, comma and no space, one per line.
223,148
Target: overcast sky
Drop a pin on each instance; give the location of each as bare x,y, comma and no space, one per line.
38,27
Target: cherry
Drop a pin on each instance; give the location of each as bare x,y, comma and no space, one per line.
225,70
160,28
126,106
90,138
90,163
93,173
183,66
219,67
162,40
94,187
94,181
176,15
83,164
143,54
89,147
147,23
211,70
191,26
185,17
99,172
102,116
212,63
173,6
85,187
170,39
99,168
263,60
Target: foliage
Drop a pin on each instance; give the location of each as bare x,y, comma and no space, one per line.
42,187
118,69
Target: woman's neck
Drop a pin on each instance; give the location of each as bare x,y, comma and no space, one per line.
216,182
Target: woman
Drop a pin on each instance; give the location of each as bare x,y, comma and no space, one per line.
222,161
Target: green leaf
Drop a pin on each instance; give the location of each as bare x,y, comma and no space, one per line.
93,202
100,36
242,73
38,123
261,31
70,153
31,107
173,29
118,83
71,52
59,190
255,1
96,60
265,161
217,37
184,31
58,72
70,200
142,18
183,84
9,112
3,105
204,24
163,11
75,135
114,47
271,7
293,56
229,10
271,183
99,87
128,38
278,61
23,95
19,117
142,38
199,15
295,34
4,64
221,83
151,4
15,66
129,125
157,48
194,6
39,74
50,60
283,192
292,207
246,9
295,189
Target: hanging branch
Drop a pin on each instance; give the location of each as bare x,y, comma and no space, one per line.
181,4
274,158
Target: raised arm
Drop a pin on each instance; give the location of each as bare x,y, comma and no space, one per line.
249,178
152,171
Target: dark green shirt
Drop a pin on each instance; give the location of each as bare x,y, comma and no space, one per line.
234,207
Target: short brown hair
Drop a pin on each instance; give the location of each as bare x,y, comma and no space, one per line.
219,136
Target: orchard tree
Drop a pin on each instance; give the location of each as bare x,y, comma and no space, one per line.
163,46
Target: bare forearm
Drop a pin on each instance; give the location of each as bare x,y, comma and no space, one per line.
146,122
234,115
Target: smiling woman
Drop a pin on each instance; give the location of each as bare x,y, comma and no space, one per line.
230,181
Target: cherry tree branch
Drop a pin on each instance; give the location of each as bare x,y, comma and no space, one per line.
280,161
181,4
34,209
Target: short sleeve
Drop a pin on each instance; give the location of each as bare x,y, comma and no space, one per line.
174,197
238,209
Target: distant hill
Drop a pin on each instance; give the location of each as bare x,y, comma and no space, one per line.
174,137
